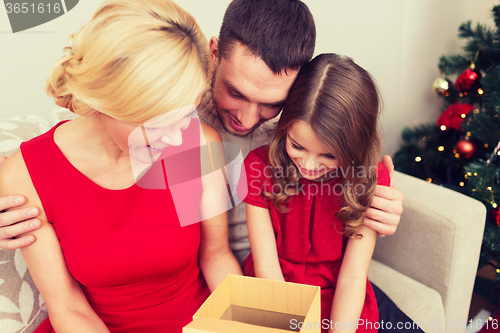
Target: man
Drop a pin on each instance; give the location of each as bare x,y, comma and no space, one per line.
255,63
261,47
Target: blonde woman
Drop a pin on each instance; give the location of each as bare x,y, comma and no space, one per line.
111,256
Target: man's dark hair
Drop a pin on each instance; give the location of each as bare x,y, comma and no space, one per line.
281,32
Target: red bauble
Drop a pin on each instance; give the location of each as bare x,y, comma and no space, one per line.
454,115
495,216
466,149
469,80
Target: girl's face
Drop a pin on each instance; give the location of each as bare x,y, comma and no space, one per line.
309,155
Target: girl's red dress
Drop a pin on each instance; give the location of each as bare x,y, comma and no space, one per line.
308,238
136,265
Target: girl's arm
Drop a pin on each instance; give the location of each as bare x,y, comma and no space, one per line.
215,257
263,244
351,284
69,310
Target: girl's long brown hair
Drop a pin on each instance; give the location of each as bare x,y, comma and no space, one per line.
340,101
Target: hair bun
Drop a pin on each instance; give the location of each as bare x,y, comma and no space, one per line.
57,83
66,101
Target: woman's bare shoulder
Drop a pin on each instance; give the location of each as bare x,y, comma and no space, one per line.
211,134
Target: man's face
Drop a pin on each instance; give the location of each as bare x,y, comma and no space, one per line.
245,91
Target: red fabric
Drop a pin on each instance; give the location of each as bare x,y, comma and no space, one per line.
136,265
310,246
452,116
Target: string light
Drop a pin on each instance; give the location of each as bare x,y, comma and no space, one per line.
480,91
485,145
418,159
443,128
476,111
429,180
489,188
494,205
461,184
440,148
463,115
468,134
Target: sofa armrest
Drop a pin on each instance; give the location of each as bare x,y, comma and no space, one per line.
437,241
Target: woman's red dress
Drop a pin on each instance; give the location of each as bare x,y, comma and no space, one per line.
136,265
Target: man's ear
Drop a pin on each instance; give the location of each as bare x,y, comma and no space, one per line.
213,46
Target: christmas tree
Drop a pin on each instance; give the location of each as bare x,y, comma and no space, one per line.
461,150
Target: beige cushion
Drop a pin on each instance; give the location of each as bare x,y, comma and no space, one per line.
15,130
21,305
60,114
419,302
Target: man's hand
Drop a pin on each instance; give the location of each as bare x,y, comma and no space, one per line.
9,226
386,207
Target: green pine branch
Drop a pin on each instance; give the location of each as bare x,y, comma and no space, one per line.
483,127
454,64
415,135
483,182
491,86
490,249
496,18
482,39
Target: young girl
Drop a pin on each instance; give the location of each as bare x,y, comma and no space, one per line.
308,191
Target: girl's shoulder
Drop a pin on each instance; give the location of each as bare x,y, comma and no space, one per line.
260,155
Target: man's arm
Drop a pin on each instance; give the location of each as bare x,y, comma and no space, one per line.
10,222
386,207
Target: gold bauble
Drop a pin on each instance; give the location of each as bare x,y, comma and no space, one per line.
441,86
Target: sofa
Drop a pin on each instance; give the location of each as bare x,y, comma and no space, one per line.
427,267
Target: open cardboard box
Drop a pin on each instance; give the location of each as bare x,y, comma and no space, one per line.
245,304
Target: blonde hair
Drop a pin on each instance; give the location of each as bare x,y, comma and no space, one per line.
134,60
341,102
